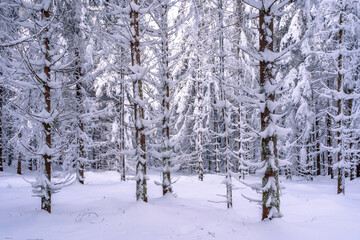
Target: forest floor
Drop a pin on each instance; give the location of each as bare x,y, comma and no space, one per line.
105,208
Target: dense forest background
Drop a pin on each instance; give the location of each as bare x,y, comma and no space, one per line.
233,87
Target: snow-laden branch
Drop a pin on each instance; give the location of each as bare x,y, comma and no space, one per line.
25,39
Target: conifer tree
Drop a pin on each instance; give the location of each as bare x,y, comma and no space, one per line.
41,100
270,131
339,50
138,72
167,58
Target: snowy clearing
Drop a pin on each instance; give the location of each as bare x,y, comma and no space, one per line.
105,208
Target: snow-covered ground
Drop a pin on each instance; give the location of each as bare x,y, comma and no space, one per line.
105,208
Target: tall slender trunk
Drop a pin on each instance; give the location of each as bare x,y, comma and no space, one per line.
139,114
309,160
329,144
121,163
199,137
216,144
79,98
318,155
224,109
351,144
341,170
198,85
240,147
19,158
239,25
46,199
122,130
166,184
166,178
270,181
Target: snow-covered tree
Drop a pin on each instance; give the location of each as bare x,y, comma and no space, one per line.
79,45
338,25
167,59
200,76
268,102
37,106
137,12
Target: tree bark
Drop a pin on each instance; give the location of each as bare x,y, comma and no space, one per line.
120,143
341,170
122,130
199,140
351,144
166,178
329,144
79,98
216,146
318,156
19,158
46,199
270,195
141,186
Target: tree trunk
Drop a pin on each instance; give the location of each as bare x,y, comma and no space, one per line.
79,97
309,160
30,165
216,143
199,137
80,168
120,143
318,156
351,144
122,129
341,169
140,141
270,182
19,164
19,159
329,144
166,178
199,90
46,199
224,110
